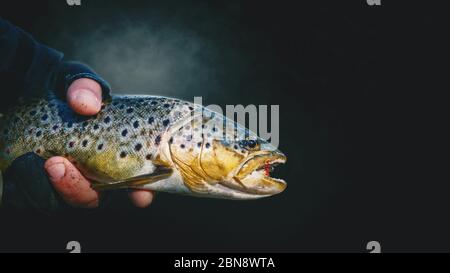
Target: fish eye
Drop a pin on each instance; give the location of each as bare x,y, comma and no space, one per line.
249,144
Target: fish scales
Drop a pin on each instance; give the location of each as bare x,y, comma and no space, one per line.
128,127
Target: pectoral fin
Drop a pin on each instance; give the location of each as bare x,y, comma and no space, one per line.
160,173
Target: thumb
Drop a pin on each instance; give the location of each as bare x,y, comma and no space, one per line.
73,187
84,96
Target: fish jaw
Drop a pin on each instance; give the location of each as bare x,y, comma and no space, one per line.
253,176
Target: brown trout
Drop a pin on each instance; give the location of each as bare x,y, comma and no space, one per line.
146,142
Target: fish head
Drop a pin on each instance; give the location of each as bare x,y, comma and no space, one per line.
249,173
220,158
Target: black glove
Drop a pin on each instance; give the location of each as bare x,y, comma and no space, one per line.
27,187
69,71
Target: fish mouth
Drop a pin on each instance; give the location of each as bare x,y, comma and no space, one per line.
254,174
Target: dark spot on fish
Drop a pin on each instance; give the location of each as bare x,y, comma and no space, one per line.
151,120
191,108
171,140
96,127
136,124
115,103
130,110
70,125
207,145
182,146
124,133
235,147
39,133
122,106
55,127
8,151
71,144
38,151
107,119
123,154
85,124
214,129
157,140
100,146
203,126
166,122
32,113
84,143
138,147
189,138
149,157
199,144
103,107
166,105
154,102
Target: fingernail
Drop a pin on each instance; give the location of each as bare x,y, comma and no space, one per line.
86,97
56,171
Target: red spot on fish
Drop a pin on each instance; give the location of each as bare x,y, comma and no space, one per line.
267,168
8,151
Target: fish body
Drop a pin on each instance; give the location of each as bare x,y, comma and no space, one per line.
146,142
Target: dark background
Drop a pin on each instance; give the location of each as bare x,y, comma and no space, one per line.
353,83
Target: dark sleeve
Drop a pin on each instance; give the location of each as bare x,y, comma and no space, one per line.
30,69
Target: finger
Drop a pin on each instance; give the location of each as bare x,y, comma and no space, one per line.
84,96
141,198
70,184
